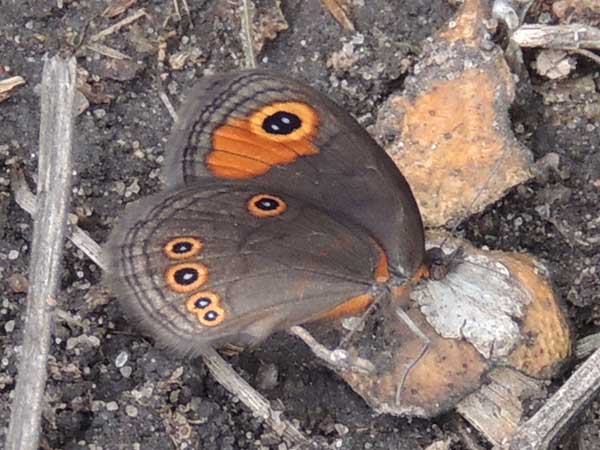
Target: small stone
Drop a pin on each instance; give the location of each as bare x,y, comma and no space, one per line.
18,283
126,371
341,429
131,411
266,378
121,359
13,254
9,326
99,113
112,406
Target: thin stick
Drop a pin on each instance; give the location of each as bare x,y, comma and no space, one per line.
120,24
586,53
219,368
246,33
26,200
261,407
557,36
54,188
543,428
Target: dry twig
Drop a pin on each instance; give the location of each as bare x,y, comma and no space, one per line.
117,26
54,188
539,432
557,36
247,13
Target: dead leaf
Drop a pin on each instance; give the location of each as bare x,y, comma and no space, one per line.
554,64
578,11
268,21
449,132
8,85
95,93
340,10
118,7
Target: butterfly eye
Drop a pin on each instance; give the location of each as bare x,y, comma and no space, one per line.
183,247
264,205
282,122
186,277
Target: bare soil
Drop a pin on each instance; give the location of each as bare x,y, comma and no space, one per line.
108,387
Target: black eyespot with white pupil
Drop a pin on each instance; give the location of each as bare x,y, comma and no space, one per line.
266,204
202,302
185,276
182,247
211,316
282,122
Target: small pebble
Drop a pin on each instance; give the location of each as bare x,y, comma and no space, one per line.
112,406
13,254
126,371
121,359
9,326
99,113
131,411
18,283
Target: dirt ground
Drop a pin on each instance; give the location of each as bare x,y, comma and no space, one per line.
108,387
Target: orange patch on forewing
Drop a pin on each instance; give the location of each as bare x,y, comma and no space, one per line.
382,273
351,307
183,247
206,306
242,149
186,277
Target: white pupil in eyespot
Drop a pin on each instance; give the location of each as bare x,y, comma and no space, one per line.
285,120
274,127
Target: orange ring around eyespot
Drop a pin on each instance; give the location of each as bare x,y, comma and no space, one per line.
203,317
196,246
255,210
198,273
213,298
309,120
204,313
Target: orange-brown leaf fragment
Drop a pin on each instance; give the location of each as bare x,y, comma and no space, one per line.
450,132
8,85
340,10
118,7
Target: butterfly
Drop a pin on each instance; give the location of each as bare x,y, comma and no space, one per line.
280,209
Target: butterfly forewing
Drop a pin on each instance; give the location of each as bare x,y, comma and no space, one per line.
257,127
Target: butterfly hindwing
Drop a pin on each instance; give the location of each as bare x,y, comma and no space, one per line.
257,127
207,264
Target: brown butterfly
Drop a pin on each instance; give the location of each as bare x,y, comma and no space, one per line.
280,210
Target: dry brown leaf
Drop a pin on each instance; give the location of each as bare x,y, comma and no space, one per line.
449,132
118,7
578,11
340,10
268,21
8,85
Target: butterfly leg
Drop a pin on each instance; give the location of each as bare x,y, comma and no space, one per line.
357,325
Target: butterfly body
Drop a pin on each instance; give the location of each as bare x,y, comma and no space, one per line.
280,210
